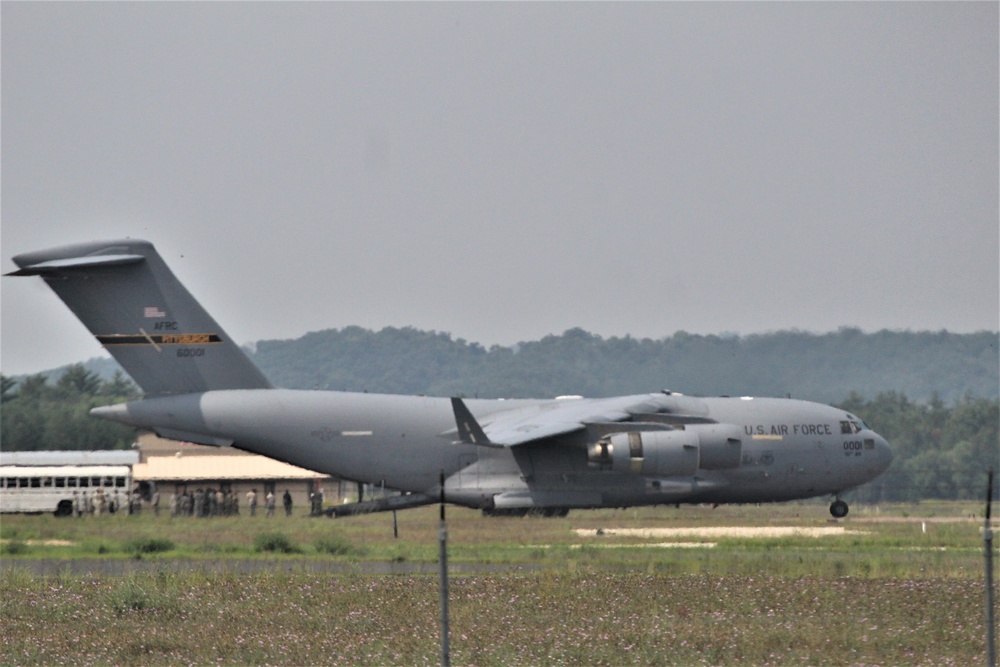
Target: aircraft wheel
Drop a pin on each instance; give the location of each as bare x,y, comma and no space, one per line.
839,509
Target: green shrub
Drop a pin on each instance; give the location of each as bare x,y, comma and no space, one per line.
275,543
333,545
14,548
132,596
149,545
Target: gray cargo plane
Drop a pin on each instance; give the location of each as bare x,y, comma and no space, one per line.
506,457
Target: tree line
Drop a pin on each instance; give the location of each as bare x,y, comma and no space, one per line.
38,416
820,367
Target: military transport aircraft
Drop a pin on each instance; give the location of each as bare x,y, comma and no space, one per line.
502,456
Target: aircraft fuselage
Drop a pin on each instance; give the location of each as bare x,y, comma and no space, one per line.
789,448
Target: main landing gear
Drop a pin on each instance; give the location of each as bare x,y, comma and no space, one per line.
839,509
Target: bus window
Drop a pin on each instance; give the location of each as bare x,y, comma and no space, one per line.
71,482
36,482
84,482
120,482
60,482
95,481
10,482
109,481
47,482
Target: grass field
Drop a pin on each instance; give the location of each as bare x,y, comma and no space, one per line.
898,585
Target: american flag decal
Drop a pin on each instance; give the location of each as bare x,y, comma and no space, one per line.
153,311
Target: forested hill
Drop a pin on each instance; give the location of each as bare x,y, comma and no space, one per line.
821,367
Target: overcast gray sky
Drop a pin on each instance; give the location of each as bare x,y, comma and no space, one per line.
506,171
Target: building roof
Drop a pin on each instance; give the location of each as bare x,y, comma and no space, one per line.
118,457
220,467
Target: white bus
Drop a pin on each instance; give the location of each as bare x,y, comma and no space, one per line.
62,489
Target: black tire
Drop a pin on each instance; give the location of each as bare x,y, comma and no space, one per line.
65,508
839,509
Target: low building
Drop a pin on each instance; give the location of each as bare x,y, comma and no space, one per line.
176,468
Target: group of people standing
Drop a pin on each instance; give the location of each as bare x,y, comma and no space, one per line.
98,502
204,503
208,502
269,502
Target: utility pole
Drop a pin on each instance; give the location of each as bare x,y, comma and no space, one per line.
443,572
991,649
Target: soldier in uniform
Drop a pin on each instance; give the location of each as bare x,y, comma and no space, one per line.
252,501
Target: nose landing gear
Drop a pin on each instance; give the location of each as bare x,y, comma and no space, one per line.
839,509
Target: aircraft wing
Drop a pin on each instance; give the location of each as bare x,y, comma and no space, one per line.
521,426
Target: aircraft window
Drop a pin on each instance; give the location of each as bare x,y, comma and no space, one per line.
850,427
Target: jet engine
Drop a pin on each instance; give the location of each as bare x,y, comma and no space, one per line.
719,444
664,453
676,452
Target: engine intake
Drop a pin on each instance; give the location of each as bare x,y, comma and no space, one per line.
648,453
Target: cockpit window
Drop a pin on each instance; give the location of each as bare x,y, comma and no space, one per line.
850,427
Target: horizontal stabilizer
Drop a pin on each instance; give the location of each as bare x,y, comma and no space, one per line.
56,265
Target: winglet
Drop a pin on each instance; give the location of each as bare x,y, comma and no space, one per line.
469,430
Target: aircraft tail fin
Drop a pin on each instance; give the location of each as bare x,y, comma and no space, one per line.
125,294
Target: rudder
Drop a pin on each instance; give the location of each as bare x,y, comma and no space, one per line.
127,296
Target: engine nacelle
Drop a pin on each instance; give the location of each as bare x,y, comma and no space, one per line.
677,452
720,445
663,453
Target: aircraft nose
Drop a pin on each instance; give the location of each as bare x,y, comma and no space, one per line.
883,453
